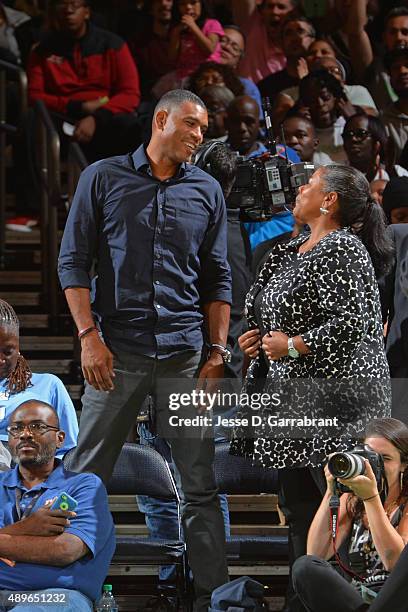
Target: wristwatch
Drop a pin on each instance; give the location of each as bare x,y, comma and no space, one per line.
222,350
292,351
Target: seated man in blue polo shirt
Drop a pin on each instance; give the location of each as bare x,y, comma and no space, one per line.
61,554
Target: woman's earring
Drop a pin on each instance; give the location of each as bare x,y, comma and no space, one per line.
324,211
401,480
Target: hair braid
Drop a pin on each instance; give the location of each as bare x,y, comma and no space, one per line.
20,377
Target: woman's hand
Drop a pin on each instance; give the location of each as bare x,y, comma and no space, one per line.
250,342
275,345
363,486
329,478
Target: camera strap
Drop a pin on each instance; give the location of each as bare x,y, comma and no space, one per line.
334,506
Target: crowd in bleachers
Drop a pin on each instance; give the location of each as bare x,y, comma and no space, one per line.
336,75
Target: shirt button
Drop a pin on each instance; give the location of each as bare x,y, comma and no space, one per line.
158,306
157,282
158,255
158,230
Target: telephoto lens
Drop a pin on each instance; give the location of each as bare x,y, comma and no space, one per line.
346,465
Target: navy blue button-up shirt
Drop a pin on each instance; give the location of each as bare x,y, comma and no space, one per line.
160,249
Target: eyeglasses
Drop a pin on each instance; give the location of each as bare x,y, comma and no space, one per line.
224,40
35,429
74,5
359,134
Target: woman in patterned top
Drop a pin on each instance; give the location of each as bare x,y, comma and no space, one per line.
376,525
314,315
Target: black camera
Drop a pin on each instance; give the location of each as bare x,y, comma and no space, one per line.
267,185
264,185
349,465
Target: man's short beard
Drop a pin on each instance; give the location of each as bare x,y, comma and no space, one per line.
41,458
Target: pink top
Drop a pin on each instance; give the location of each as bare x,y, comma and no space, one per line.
191,55
262,57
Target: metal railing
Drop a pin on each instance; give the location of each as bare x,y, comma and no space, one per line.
48,162
76,163
21,80
52,199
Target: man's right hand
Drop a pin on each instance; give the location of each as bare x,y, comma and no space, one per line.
97,363
43,522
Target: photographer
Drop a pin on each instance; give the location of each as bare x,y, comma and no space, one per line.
372,516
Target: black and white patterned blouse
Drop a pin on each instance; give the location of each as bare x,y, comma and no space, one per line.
328,295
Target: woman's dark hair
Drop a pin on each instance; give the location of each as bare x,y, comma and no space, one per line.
376,129
206,13
324,79
359,211
230,78
396,432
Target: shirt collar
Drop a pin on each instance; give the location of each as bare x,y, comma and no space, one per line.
11,478
142,164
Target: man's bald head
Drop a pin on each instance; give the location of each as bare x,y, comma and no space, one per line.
242,123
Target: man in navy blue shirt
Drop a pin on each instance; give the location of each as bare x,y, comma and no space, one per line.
156,227
62,557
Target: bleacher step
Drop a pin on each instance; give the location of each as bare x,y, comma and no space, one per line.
46,343
33,321
20,277
57,366
21,298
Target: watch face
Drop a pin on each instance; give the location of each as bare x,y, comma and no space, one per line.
294,353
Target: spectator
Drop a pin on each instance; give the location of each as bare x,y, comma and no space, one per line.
51,551
217,98
193,40
394,304
356,95
261,23
377,189
374,520
297,35
5,458
371,69
243,130
319,49
323,95
395,116
88,75
395,200
12,22
150,45
365,143
18,384
232,50
211,73
300,135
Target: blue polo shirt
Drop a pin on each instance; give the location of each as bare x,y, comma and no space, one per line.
46,388
93,525
160,250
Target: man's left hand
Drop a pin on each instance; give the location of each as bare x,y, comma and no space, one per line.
275,345
85,129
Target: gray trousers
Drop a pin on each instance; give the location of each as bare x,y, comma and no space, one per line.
105,422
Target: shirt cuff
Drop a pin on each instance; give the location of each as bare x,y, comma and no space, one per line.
77,278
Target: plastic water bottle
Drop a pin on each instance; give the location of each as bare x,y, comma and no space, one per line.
107,601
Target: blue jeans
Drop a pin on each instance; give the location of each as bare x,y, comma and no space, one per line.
161,515
76,602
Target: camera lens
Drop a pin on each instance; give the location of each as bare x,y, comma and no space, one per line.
346,465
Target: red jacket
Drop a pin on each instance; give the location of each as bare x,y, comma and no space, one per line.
64,72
